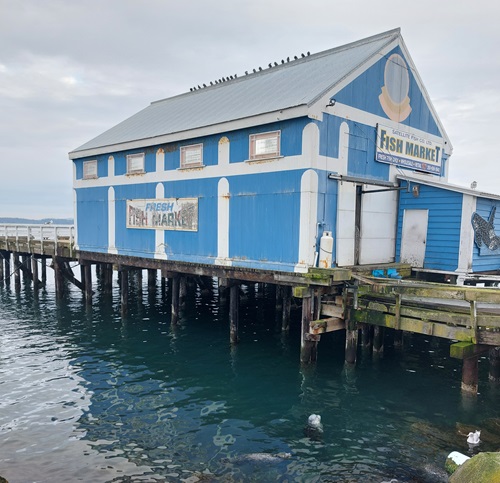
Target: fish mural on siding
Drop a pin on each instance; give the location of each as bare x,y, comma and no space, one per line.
484,231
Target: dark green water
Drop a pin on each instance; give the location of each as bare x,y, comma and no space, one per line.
88,397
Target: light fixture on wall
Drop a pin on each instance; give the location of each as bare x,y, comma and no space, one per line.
415,189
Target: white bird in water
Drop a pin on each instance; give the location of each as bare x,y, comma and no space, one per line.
473,437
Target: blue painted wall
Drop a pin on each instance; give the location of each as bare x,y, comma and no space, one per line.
264,219
487,260
363,93
264,208
444,225
92,223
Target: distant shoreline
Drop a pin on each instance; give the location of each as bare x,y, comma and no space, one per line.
41,221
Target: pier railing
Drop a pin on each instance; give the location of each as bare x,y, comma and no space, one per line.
39,238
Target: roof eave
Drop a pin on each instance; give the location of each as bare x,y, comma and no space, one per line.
219,128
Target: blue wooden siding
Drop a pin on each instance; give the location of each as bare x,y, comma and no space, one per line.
363,93
444,225
487,260
92,226
264,209
362,145
132,241
200,246
264,219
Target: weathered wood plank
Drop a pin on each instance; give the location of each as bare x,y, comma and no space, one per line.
332,310
326,325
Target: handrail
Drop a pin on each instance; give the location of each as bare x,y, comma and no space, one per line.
37,232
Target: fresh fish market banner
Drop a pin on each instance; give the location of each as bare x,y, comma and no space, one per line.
408,150
179,214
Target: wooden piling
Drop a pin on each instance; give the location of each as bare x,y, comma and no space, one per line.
17,270
151,279
34,271
287,304
470,374
366,336
107,278
58,277
308,342
44,270
2,273
378,339
123,274
7,267
234,302
88,283
175,298
494,373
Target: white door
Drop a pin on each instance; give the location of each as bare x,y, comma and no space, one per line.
414,237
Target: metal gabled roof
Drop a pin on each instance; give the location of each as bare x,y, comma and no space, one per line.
296,83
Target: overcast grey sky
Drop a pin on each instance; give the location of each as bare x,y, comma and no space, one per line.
71,69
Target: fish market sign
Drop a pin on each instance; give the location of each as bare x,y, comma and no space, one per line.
408,150
179,214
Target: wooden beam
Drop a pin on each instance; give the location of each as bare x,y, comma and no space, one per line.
462,350
322,326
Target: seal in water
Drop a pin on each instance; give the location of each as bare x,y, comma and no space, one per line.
314,428
262,457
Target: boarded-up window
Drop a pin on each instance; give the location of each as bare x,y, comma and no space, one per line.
90,169
265,145
192,156
135,163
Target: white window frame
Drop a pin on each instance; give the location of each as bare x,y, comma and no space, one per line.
90,169
191,151
258,148
135,163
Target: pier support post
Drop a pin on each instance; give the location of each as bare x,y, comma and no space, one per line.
366,336
308,342
44,271
107,278
34,270
494,375
123,274
234,305
182,290
470,372
87,268
58,277
287,304
151,279
2,273
378,340
17,274
7,267
175,298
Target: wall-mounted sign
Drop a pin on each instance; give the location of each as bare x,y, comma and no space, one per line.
485,237
163,214
408,150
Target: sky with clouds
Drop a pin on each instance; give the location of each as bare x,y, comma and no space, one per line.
70,70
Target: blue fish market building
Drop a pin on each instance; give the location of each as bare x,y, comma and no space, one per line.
255,170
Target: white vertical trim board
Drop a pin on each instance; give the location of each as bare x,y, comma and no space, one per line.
308,220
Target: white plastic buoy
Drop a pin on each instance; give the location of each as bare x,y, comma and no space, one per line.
325,250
